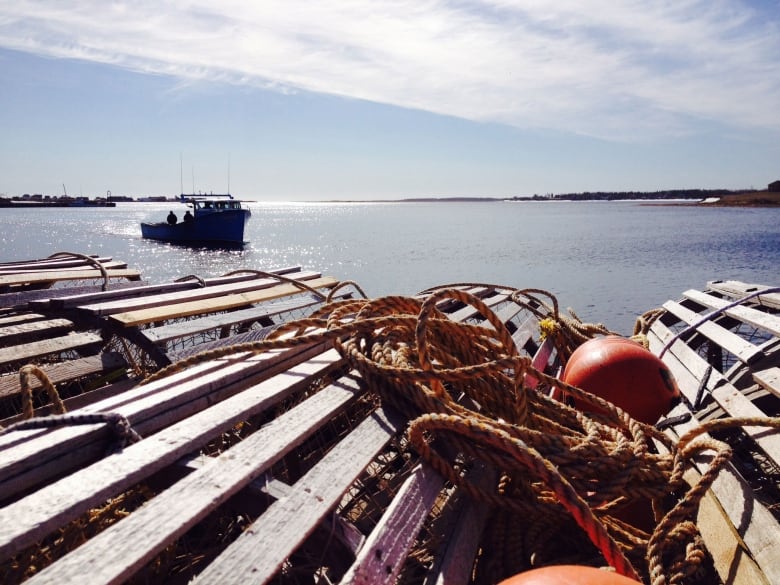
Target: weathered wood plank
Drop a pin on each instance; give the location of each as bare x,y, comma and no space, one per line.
34,456
19,318
177,310
31,518
739,347
36,349
455,560
110,265
80,400
470,311
24,332
769,379
48,263
61,275
770,323
384,552
66,371
165,333
737,290
750,519
259,552
119,551
731,557
76,300
728,398
188,295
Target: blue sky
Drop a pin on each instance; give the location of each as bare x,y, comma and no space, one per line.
357,99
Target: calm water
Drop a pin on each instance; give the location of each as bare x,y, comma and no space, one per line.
608,261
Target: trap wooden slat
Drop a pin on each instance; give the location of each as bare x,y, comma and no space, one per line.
769,379
37,349
24,332
56,262
125,546
732,401
742,349
259,552
66,371
100,385
58,503
759,319
223,303
739,529
454,561
19,318
44,454
189,295
165,333
737,290
382,556
206,400
51,277
740,526
109,266
93,297
469,312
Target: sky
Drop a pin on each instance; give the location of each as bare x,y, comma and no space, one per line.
296,100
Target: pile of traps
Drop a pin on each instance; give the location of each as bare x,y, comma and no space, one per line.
589,485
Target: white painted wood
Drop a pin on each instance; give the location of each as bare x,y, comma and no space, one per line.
769,379
384,553
118,552
751,520
222,303
259,552
29,457
455,563
189,295
740,348
770,323
729,398
59,275
33,517
26,351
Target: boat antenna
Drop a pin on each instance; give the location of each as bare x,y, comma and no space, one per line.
181,173
228,188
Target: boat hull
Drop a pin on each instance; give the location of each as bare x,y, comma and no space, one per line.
224,227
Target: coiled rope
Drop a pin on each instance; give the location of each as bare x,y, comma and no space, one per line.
461,386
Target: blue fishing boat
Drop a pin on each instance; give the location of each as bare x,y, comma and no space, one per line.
211,219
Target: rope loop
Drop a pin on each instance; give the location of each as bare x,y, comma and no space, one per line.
569,475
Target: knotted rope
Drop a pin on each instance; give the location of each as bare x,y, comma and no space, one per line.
119,425
462,387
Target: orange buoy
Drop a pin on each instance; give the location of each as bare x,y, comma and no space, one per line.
624,373
568,575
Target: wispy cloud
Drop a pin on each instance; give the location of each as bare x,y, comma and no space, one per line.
618,70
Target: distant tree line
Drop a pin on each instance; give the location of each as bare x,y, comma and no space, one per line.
668,194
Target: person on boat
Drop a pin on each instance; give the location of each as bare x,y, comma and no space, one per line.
172,219
188,216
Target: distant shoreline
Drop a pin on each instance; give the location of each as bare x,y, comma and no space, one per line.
689,198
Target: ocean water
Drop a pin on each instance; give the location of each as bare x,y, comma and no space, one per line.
609,261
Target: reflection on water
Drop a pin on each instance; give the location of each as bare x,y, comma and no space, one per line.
609,261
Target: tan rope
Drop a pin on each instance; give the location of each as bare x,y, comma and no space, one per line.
25,372
557,467
90,260
281,278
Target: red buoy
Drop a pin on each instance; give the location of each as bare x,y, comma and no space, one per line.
624,373
568,575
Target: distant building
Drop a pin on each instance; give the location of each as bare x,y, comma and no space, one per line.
774,186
